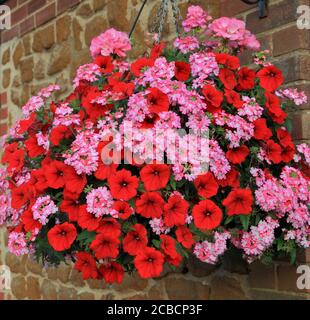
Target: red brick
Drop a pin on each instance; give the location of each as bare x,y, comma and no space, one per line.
3,98
11,3
26,26
3,113
45,14
7,35
231,8
290,39
295,68
262,276
63,5
19,14
3,129
301,129
279,14
303,255
35,5
287,278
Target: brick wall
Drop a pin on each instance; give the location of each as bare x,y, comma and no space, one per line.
49,39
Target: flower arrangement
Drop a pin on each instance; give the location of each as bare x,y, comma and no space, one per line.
180,151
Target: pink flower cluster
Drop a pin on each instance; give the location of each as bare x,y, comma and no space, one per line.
294,95
83,155
100,202
250,109
234,31
203,65
158,226
43,208
210,252
258,239
87,72
17,243
110,42
186,44
196,18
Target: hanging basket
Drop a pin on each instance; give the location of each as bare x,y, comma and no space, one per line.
182,152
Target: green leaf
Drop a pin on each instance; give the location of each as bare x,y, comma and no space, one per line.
86,237
181,250
228,220
156,243
245,220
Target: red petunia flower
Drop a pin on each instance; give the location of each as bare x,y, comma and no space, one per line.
157,50
155,176
123,185
141,65
182,70
28,221
273,106
233,98
238,155
109,226
55,174
273,151
123,209
104,171
105,64
70,206
32,147
124,89
112,272
105,246
38,180
135,241
270,78
74,182
149,120
287,153
168,247
86,264
185,237
149,263
21,195
206,185
87,220
157,101
261,131
284,138
239,201
231,180
9,150
228,78
230,62
207,215
214,98
175,211
60,133
61,236
14,159
150,205
246,79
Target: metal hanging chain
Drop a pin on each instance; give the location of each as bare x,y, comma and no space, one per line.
176,15
137,18
160,17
